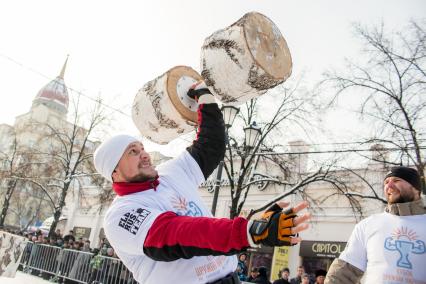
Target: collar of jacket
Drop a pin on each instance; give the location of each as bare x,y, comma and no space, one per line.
125,188
407,208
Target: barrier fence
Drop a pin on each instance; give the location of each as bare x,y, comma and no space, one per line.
67,265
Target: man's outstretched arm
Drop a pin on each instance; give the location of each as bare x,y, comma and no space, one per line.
173,237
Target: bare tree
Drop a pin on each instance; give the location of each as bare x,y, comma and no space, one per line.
293,108
324,174
68,150
15,163
393,80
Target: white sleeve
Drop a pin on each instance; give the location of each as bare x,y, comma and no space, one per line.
355,252
126,227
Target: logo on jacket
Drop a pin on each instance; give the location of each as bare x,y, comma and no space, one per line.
131,221
185,208
405,242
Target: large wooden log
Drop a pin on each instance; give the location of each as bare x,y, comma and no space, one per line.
239,63
161,109
246,59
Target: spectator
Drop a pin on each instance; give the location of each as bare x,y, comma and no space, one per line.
102,242
29,237
39,239
45,240
96,264
58,234
298,278
81,261
114,267
305,278
262,278
52,241
320,276
86,246
70,236
284,277
76,246
60,243
254,272
242,267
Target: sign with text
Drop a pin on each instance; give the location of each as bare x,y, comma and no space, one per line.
81,232
279,261
321,249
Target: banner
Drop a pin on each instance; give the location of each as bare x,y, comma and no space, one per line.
279,261
11,249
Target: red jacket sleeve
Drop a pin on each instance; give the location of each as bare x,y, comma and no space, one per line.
172,237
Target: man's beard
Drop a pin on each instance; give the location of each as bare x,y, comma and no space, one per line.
140,178
402,199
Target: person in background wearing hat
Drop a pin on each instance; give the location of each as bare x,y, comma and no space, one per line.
320,276
389,247
159,226
262,278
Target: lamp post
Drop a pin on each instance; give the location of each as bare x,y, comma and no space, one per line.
229,115
251,133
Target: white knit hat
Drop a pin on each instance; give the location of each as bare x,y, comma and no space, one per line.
108,154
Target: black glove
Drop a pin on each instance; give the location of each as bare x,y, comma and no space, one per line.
274,227
195,94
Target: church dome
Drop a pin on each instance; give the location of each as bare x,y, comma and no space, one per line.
55,94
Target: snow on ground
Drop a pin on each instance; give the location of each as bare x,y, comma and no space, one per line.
23,278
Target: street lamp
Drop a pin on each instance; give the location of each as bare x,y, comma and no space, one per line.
251,133
229,115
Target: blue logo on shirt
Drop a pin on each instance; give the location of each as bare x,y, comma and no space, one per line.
405,241
185,208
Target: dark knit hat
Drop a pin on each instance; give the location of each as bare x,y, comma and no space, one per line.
320,272
410,175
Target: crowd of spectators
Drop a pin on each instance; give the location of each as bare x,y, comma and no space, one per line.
69,241
102,262
260,275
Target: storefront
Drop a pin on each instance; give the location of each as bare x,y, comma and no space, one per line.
319,254
258,257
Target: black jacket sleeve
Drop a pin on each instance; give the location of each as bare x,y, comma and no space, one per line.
208,149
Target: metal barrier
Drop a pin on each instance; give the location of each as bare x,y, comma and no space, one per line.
58,265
